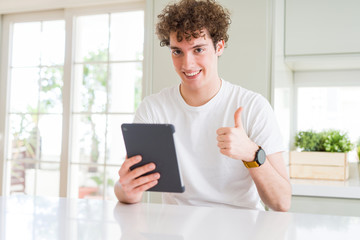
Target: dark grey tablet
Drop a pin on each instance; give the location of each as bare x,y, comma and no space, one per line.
155,143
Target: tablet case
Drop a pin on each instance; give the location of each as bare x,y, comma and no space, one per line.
155,143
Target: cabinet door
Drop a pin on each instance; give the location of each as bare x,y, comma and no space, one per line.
322,27
323,205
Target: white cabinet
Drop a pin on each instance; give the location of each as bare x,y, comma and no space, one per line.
322,27
322,205
247,59
328,197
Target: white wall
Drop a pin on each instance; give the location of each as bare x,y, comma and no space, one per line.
246,60
282,76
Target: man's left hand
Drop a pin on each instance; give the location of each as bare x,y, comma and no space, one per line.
234,142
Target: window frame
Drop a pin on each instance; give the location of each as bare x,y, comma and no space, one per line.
69,16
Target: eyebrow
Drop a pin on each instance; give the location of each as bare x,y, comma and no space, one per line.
196,46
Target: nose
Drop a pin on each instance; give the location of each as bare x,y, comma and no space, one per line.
188,61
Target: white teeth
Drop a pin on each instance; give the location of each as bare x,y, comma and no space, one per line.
192,74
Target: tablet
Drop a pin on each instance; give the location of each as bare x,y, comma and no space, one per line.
155,143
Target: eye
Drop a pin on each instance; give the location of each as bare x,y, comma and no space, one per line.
199,50
176,52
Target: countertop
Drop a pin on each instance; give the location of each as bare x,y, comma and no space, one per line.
326,188
24,217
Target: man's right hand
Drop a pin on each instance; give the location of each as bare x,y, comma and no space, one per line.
130,187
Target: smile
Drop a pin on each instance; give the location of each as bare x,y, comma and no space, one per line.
192,73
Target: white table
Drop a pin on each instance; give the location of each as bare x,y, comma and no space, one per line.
60,218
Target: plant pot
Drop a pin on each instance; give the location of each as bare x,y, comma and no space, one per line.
319,165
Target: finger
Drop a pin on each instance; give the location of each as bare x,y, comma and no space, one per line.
220,138
223,130
221,145
125,167
224,145
131,181
137,172
146,186
225,152
144,180
225,137
237,118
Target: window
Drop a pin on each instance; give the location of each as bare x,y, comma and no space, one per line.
329,100
107,90
93,92
34,113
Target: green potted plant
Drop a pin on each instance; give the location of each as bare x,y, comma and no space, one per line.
321,155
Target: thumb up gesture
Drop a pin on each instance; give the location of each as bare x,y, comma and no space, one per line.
234,142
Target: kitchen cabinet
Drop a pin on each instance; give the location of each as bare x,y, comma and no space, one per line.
322,27
328,197
325,205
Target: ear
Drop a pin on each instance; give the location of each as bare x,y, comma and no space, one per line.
220,47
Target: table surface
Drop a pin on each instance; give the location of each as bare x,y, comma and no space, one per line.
23,217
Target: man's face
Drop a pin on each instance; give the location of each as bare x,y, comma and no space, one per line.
196,61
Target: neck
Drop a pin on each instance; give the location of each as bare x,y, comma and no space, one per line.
199,97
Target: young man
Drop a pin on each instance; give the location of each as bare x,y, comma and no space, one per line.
219,126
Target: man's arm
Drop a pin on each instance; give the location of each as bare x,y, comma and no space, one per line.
272,182
271,179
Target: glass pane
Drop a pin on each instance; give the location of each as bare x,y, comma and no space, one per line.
50,128
53,43
48,179
115,143
26,44
90,88
24,91
92,35
125,87
322,108
23,139
51,90
127,36
22,177
89,138
87,181
112,177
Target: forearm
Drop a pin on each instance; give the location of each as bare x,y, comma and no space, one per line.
273,188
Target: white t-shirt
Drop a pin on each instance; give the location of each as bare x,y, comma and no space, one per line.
211,178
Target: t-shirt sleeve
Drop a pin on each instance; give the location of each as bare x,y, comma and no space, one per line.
143,113
264,129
